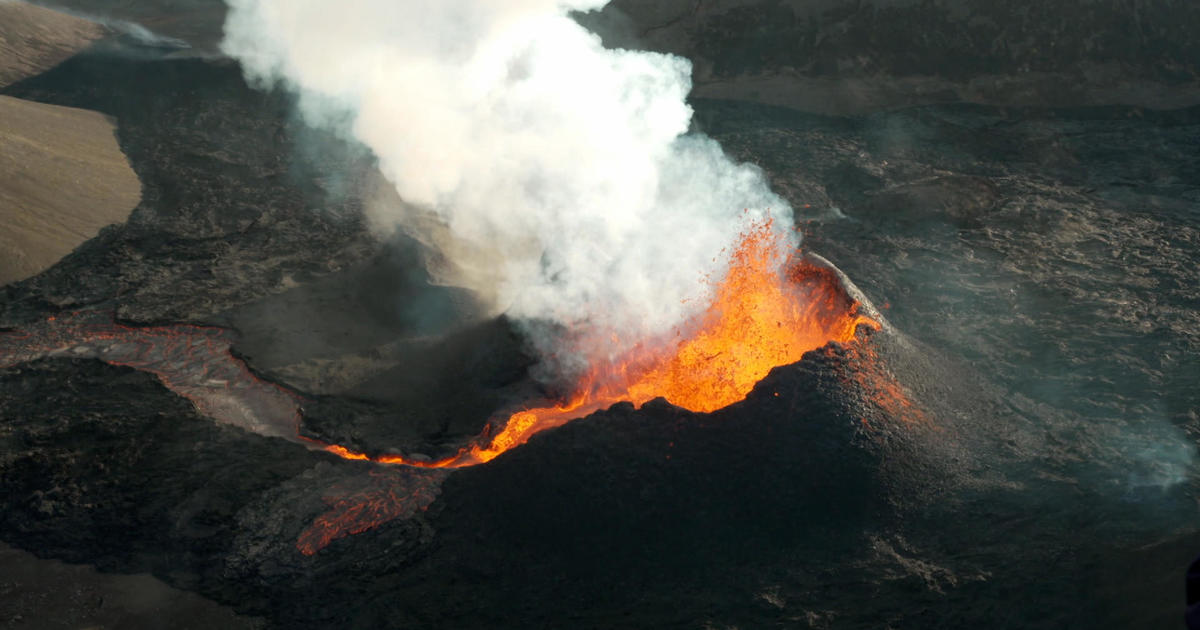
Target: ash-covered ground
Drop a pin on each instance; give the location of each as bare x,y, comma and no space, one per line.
1039,267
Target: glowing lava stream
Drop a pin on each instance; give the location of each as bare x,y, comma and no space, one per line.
767,312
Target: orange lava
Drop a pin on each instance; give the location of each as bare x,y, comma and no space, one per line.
768,310
361,504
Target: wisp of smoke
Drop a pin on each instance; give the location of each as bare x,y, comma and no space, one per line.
134,31
555,177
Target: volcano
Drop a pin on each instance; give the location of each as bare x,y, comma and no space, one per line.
248,405
769,310
763,315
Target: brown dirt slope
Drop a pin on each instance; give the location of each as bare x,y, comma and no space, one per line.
198,22
34,39
62,178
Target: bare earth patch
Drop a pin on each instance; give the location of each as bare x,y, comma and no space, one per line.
34,39
62,178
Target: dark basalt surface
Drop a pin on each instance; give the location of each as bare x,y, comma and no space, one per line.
865,55
858,56
957,39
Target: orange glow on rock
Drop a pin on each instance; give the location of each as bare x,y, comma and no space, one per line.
763,316
361,504
767,311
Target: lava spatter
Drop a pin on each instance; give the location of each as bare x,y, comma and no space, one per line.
770,308
366,502
767,311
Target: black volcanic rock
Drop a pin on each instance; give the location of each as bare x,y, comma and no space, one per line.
231,208
852,56
1037,266
110,465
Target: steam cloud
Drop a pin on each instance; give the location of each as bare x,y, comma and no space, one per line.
555,177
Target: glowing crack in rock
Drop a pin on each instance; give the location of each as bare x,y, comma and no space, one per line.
385,494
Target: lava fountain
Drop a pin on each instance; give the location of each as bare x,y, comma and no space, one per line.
770,308
566,173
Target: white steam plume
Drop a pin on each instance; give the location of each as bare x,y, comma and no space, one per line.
561,170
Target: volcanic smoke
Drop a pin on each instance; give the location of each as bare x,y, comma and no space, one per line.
557,179
555,176
766,312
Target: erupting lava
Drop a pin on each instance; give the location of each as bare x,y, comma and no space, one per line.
767,311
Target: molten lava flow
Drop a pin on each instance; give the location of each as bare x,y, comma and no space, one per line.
362,503
766,312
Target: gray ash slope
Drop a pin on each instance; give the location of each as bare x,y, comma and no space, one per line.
1053,250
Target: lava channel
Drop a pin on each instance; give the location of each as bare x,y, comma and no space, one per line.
193,361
